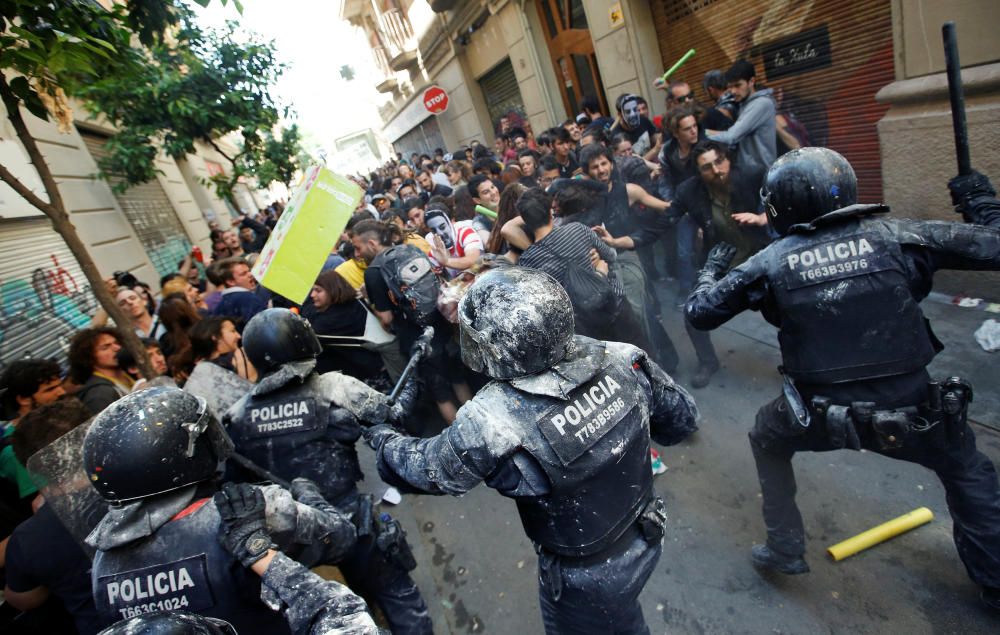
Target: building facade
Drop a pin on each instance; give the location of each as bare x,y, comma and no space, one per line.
528,60
864,77
145,230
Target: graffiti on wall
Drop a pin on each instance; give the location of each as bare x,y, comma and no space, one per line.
167,253
39,314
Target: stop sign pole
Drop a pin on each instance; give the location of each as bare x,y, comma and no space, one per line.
435,100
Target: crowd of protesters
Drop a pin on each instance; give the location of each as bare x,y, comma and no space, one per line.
587,201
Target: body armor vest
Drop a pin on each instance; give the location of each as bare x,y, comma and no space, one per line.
845,307
295,432
594,449
182,567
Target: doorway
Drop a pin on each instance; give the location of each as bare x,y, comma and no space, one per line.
567,35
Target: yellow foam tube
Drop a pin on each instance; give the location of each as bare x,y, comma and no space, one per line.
881,533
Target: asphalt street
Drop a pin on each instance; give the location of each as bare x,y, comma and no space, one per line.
478,571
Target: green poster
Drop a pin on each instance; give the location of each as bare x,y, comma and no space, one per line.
306,233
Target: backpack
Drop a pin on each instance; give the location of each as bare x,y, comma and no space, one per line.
595,304
413,285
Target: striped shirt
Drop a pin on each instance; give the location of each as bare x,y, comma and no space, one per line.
466,238
567,245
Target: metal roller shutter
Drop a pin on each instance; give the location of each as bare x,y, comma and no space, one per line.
422,139
151,215
44,297
828,58
501,92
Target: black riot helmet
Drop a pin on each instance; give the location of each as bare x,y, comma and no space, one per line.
153,441
805,184
171,623
515,322
277,336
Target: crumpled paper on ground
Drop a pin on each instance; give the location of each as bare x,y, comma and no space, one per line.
988,336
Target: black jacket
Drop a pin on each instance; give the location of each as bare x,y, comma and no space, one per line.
692,198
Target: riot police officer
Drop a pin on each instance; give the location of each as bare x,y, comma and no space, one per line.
313,605
298,423
843,287
154,457
564,429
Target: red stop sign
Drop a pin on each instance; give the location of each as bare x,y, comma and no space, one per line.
435,100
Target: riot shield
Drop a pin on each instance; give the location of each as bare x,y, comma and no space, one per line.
57,470
219,387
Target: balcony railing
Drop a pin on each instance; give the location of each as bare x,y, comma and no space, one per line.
388,82
398,36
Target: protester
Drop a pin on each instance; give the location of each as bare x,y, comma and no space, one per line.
527,160
639,130
562,152
27,385
722,201
238,299
444,373
179,317
454,246
506,211
157,361
723,110
333,309
216,340
42,559
485,193
133,305
753,132
93,366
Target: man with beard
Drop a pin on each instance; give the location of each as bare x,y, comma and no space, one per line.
430,188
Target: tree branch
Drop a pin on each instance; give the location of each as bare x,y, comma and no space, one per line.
24,191
10,102
212,143
56,212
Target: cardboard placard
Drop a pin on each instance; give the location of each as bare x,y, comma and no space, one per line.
306,233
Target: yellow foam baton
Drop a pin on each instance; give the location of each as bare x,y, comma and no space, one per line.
678,64
881,533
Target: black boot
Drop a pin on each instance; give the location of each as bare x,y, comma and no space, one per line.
765,558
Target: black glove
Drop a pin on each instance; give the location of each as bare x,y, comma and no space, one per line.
375,435
406,401
718,259
423,344
966,187
307,492
243,531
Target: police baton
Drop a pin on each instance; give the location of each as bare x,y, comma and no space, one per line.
259,471
955,93
423,344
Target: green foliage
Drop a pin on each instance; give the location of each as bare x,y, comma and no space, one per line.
279,159
183,84
203,86
49,49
